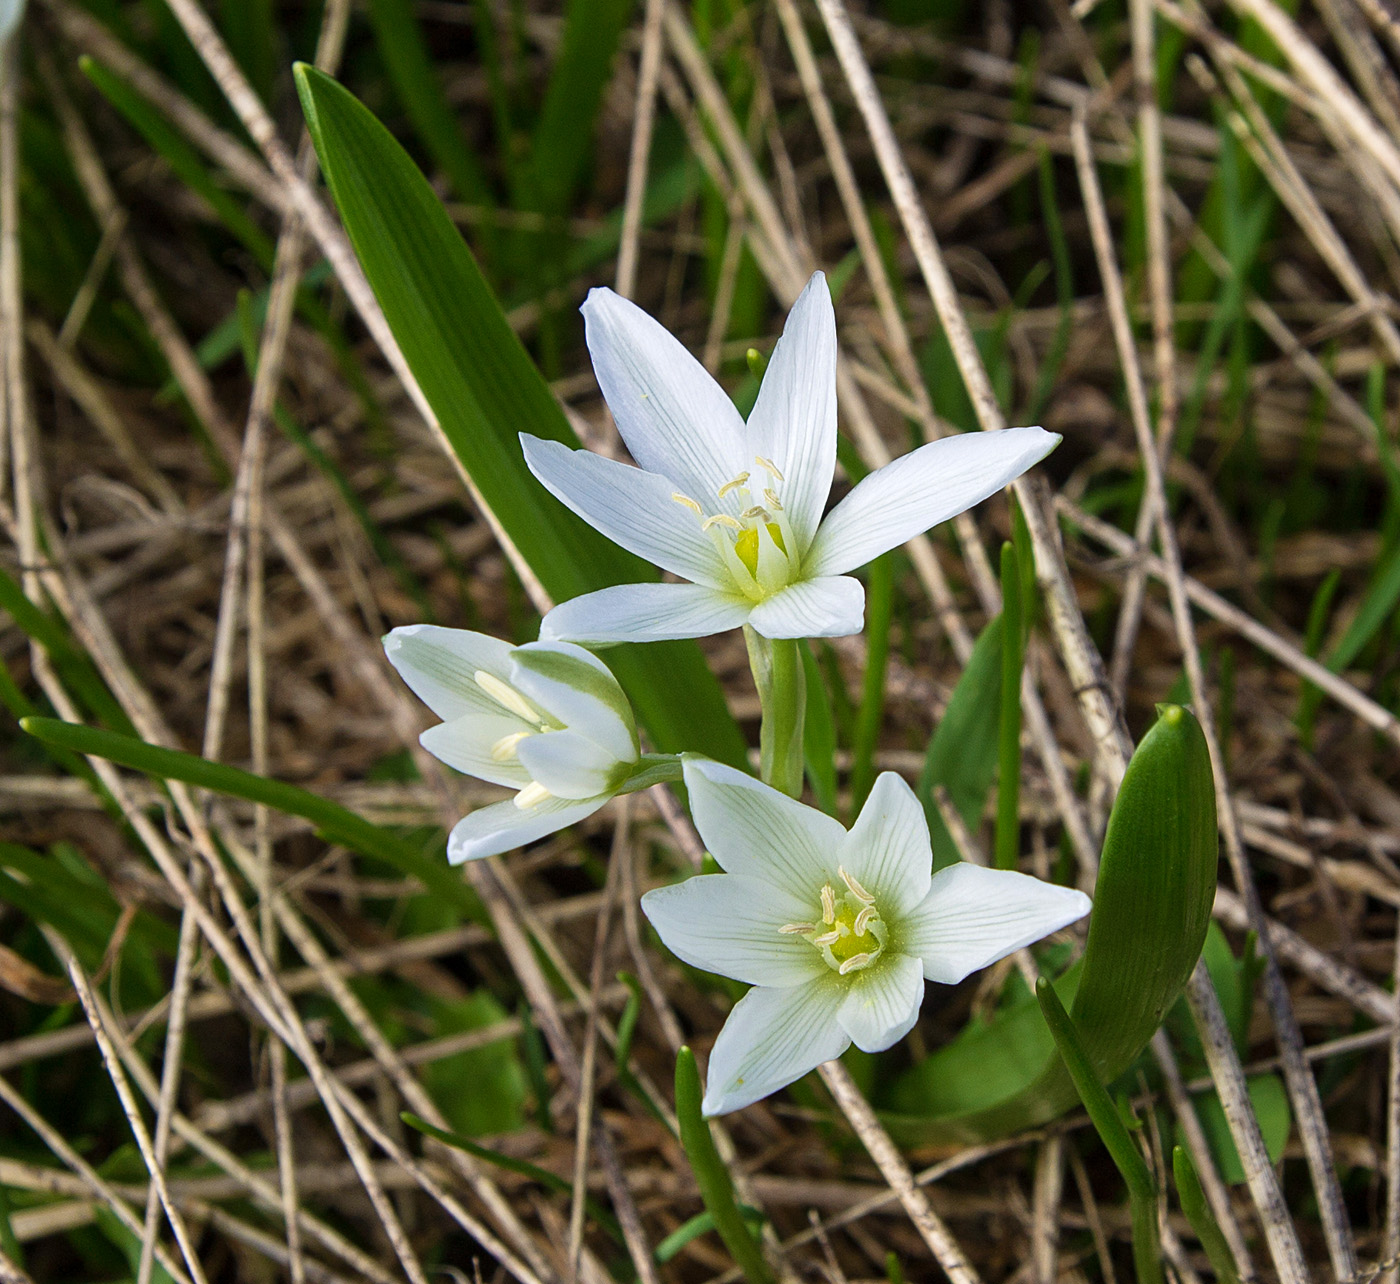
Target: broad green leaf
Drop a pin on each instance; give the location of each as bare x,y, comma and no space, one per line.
1152,905
962,754
485,390
482,1091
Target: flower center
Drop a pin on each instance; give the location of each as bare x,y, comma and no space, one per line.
757,545
851,934
506,748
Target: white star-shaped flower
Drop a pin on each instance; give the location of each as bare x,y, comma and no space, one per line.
547,719
735,508
836,931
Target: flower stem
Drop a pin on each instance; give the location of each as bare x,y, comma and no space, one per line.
782,695
711,1176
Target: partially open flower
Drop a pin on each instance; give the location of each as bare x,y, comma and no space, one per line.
546,719
735,507
835,930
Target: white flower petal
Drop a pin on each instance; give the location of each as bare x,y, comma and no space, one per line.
727,923
465,744
973,916
883,1003
645,613
919,490
771,1038
793,422
631,507
752,829
579,690
569,764
502,826
675,419
888,850
438,665
830,607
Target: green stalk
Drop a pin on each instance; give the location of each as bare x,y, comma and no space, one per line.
1142,1188
782,695
1013,648
716,1190
1193,1204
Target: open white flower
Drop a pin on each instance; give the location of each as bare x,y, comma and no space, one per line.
835,930
736,508
547,719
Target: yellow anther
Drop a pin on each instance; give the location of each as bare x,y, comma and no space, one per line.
855,888
769,467
740,480
688,503
827,938
828,904
504,748
506,696
533,794
721,519
796,929
863,920
773,501
754,513
855,961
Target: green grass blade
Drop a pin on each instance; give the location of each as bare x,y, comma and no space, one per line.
336,823
419,88
1013,651
1193,1204
819,735
484,389
962,752
716,1190
879,603
1108,1123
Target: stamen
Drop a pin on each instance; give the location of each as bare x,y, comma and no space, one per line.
856,889
773,502
757,511
532,794
506,696
863,920
721,519
689,503
504,748
828,905
827,938
796,929
855,961
769,467
740,480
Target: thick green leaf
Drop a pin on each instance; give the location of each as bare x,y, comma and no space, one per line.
962,754
1152,905
485,390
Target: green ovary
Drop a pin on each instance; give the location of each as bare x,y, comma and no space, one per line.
746,545
850,944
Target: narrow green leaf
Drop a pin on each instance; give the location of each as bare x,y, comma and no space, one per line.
485,390
338,824
962,753
1108,1123
879,603
819,735
1013,650
1193,1204
716,1190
